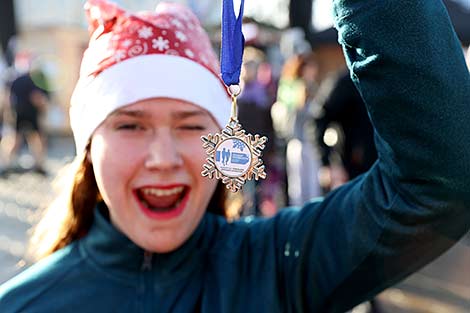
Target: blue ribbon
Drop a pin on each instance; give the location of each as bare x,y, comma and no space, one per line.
233,43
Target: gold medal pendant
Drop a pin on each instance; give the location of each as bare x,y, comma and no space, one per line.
233,155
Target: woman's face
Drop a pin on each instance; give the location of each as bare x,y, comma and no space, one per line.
147,159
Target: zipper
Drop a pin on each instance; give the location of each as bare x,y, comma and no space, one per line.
147,263
146,280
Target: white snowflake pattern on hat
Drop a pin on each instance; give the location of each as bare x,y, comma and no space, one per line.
181,36
145,32
119,55
189,53
160,43
162,23
191,26
127,43
172,52
177,23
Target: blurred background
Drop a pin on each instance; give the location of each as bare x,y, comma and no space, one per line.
295,90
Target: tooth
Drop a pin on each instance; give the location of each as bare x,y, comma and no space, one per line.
163,192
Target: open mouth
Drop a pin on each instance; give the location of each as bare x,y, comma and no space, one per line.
162,202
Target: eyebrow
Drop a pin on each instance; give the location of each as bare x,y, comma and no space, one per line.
177,114
188,114
130,113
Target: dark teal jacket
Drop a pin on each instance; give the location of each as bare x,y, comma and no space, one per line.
332,254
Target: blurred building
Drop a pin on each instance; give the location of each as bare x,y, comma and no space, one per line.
54,32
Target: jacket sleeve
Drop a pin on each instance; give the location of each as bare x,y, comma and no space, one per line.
405,59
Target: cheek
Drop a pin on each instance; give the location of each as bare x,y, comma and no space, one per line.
113,166
207,185
193,152
195,157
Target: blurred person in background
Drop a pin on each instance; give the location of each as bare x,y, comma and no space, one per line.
290,94
254,107
342,115
302,156
292,113
27,99
140,230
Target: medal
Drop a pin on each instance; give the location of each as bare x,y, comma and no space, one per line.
233,155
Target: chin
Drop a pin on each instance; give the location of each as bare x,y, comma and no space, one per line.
162,247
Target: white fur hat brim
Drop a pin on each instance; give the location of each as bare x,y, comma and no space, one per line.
140,78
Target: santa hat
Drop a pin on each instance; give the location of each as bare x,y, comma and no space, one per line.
132,57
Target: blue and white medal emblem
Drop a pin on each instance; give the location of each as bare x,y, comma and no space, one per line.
234,156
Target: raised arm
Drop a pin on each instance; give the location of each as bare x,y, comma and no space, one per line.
410,207
415,202
408,65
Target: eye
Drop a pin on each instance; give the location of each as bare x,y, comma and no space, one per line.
129,126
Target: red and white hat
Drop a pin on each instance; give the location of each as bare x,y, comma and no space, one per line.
132,57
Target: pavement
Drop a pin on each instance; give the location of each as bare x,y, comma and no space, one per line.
22,194
441,287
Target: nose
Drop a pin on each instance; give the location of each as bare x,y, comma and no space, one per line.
163,152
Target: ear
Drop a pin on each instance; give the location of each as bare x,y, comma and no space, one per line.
88,156
101,16
88,152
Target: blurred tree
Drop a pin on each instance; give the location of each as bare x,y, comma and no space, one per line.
7,27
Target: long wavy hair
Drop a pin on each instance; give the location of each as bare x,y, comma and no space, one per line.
70,215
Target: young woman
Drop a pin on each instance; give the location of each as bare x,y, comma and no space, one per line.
137,233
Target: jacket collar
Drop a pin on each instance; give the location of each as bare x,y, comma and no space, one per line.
109,249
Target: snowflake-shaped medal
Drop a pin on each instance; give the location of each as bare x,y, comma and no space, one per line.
233,155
